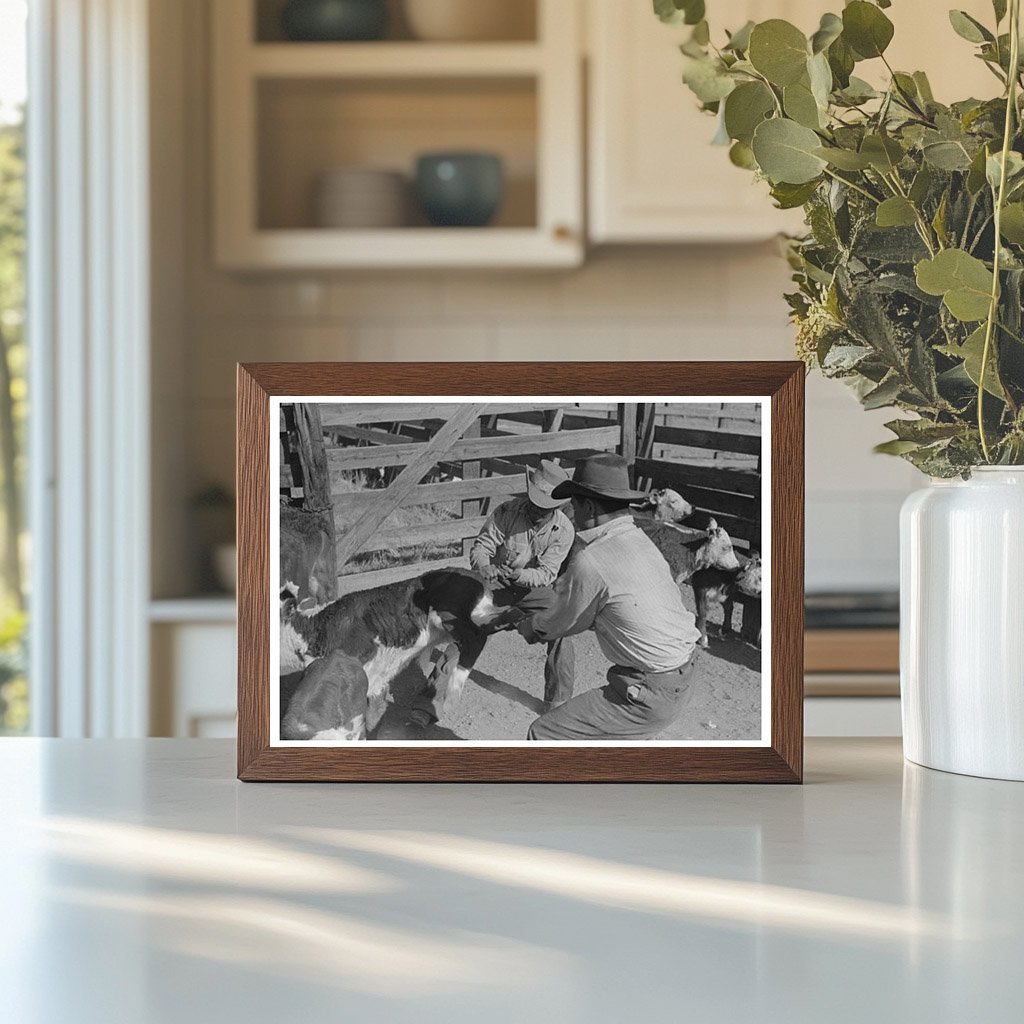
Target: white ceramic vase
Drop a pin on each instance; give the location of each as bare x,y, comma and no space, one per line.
962,624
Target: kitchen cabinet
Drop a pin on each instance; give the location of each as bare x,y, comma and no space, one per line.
193,673
286,113
653,175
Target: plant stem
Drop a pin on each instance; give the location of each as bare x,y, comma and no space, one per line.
993,309
855,187
922,225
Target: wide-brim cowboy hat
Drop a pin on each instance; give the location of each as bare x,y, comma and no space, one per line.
601,476
542,481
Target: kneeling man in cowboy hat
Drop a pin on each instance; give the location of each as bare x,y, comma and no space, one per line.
619,585
520,550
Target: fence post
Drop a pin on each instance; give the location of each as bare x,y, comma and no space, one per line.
471,471
646,418
307,520
627,445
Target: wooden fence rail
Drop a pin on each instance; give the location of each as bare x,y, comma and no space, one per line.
341,459
489,447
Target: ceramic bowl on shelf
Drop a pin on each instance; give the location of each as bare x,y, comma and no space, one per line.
361,198
334,21
460,189
469,20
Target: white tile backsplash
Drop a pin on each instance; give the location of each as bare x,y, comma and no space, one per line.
646,302
717,302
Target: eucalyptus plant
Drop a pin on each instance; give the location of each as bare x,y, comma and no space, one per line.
910,278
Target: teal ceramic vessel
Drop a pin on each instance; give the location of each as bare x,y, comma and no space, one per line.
460,189
333,21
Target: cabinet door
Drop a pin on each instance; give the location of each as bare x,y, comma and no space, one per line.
287,113
654,175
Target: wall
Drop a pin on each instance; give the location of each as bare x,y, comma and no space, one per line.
653,303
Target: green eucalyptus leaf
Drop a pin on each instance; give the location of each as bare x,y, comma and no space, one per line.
885,394
969,28
739,41
785,152
963,281
745,108
883,153
946,156
695,11
830,29
921,185
866,29
701,33
994,168
841,60
778,50
923,431
999,7
971,352
924,87
800,105
1012,224
820,76
896,212
721,136
895,447
676,12
788,196
976,173
741,155
939,220
858,91
844,159
708,80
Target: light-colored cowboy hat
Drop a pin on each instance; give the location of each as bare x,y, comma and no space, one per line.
542,481
600,476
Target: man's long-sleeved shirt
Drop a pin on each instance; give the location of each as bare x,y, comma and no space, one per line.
509,538
619,584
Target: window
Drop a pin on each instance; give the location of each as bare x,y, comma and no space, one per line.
14,705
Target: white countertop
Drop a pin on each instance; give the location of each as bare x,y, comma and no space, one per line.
143,884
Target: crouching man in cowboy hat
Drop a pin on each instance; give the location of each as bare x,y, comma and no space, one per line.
619,585
520,551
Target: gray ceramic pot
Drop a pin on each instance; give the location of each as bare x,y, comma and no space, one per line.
460,189
334,20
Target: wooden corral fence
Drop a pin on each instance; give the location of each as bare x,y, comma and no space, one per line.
382,458
711,454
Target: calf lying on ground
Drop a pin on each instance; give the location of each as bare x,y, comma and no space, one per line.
342,657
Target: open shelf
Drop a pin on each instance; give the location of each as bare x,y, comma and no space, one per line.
519,17
308,127
287,113
393,60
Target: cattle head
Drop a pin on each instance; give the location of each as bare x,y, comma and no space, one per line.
749,579
717,550
292,643
668,506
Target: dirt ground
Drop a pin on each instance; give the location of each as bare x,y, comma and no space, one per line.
505,692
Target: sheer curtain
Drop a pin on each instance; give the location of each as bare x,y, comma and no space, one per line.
88,300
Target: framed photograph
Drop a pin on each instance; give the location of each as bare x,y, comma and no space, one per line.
520,572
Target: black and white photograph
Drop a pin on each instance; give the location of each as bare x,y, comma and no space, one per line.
459,571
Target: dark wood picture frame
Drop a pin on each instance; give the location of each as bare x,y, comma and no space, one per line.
781,761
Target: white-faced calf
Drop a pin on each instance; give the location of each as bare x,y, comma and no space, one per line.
338,660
